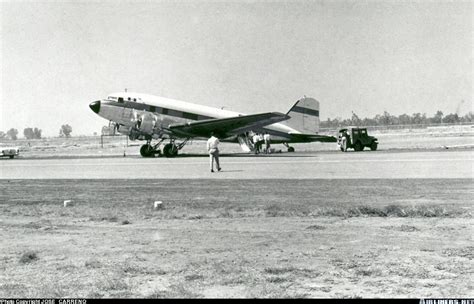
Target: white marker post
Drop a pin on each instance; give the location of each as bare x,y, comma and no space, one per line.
68,203
157,205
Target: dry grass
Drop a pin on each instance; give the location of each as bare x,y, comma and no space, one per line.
290,241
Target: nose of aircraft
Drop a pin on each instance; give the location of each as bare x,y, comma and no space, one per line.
95,106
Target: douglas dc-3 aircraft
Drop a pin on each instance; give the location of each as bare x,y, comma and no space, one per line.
148,117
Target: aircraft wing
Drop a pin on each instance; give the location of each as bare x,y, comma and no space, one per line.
225,127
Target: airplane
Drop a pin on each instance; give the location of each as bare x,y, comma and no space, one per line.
148,117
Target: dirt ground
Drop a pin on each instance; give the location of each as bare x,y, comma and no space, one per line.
245,238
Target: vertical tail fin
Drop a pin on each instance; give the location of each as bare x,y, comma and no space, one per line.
304,116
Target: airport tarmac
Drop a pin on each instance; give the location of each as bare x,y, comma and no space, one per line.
303,165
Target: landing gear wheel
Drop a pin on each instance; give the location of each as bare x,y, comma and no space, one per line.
373,146
358,146
147,151
170,150
291,149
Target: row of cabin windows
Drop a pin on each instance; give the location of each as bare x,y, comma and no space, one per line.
121,100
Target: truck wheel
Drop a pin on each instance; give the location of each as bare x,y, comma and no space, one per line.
358,146
11,156
373,146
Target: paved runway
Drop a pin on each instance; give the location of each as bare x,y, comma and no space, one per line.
337,165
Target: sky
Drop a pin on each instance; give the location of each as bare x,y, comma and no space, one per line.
365,57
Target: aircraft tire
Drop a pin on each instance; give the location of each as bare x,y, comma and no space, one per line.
170,150
146,151
291,149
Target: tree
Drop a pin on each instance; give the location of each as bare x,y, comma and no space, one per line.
31,133
469,117
65,131
438,117
12,133
355,120
37,133
3,134
451,118
28,133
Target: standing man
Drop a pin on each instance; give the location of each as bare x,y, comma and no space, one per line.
266,138
212,148
256,144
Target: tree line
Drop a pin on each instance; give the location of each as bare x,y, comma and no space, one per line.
387,119
34,133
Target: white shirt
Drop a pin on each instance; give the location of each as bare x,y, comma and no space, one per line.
255,138
266,137
212,143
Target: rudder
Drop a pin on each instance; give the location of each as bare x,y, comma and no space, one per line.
304,116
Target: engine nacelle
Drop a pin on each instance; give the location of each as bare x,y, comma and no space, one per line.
146,123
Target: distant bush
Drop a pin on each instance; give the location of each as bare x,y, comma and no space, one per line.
28,257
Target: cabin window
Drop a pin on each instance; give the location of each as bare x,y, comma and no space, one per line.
129,99
134,99
152,109
164,111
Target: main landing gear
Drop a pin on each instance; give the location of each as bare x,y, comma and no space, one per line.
169,150
290,149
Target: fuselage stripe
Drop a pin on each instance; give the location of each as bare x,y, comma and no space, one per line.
305,111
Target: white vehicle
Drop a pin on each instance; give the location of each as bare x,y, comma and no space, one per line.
148,117
9,151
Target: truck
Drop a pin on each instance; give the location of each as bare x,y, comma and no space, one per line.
9,151
355,138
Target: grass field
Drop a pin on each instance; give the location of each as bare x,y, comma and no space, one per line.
240,238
